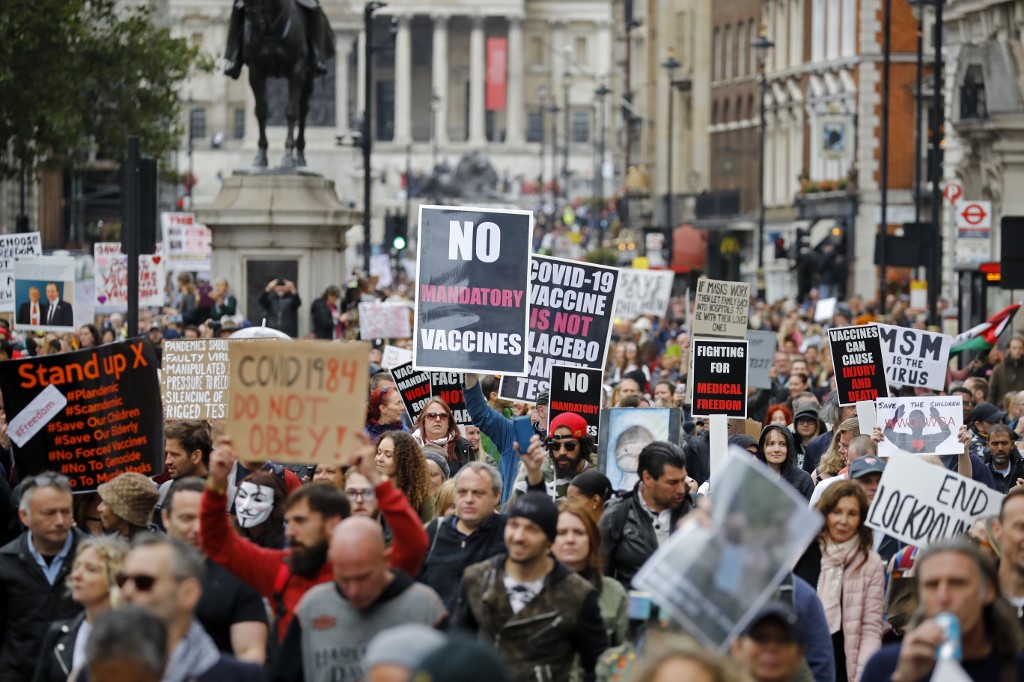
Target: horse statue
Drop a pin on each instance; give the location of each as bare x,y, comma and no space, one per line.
473,178
287,39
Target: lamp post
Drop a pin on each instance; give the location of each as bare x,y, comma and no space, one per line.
567,126
601,92
670,65
553,110
191,137
368,11
761,45
542,95
937,122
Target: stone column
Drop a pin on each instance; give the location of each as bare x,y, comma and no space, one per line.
477,65
344,49
556,61
514,133
361,73
439,79
403,82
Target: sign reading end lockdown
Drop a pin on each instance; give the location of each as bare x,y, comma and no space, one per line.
719,377
857,358
474,289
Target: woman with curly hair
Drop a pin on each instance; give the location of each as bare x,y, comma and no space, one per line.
436,425
384,412
400,458
259,508
834,459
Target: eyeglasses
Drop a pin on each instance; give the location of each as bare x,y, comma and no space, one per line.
436,416
143,582
360,493
556,445
46,480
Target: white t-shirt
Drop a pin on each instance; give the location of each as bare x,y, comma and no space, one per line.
822,486
521,593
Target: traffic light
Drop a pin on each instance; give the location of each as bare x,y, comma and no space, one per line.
803,236
780,248
400,236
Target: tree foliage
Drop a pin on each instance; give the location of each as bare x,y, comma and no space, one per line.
77,75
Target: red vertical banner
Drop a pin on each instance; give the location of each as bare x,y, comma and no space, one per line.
497,70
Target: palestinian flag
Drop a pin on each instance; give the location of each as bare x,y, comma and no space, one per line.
985,335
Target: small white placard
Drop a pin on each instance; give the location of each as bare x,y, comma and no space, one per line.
36,415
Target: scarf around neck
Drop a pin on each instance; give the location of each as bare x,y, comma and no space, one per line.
194,655
834,560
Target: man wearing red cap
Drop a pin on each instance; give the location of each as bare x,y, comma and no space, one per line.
570,448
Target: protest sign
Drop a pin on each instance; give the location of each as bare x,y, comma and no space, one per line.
914,357
393,356
643,292
380,267
624,433
923,426
44,291
857,358
110,419
825,309
570,321
194,380
297,401
474,289
920,503
448,387
719,377
761,348
187,243
721,308
112,278
12,247
384,321
413,386
712,579
576,390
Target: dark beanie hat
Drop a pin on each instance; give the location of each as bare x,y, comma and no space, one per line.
462,659
540,509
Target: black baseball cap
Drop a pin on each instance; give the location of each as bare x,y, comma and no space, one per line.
778,611
869,464
987,412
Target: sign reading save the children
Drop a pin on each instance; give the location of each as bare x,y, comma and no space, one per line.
857,358
915,357
297,401
926,425
473,290
921,503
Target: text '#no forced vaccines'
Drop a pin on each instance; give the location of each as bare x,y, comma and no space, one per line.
297,401
110,424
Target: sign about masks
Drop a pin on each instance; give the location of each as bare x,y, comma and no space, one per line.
448,387
719,377
111,285
857,358
90,414
577,390
571,307
721,308
761,347
914,357
413,386
13,246
643,292
921,503
713,578
923,426
194,379
384,321
297,401
473,290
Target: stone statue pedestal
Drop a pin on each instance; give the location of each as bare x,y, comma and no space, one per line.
268,224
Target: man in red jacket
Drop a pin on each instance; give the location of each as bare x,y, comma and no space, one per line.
283,576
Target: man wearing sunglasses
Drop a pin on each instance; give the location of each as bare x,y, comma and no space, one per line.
551,465
33,572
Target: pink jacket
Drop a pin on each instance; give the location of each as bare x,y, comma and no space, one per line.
863,605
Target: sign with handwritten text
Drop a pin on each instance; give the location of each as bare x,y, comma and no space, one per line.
112,277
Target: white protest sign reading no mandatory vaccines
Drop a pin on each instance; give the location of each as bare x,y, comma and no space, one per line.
914,357
921,503
922,426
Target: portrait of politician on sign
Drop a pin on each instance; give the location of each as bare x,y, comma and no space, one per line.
44,305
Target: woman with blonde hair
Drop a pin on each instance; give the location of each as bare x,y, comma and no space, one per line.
93,583
834,459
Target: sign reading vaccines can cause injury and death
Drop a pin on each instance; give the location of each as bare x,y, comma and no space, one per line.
915,357
577,390
473,290
13,246
857,358
413,386
643,292
926,425
719,377
721,308
195,376
297,401
90,414
920,504
571,306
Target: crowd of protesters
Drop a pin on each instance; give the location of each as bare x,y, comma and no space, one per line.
448,552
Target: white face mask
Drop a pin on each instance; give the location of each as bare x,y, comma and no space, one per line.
253,504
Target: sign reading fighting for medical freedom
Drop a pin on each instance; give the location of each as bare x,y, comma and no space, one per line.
473,290
719,377
570,321
857,358
720,308
915,357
